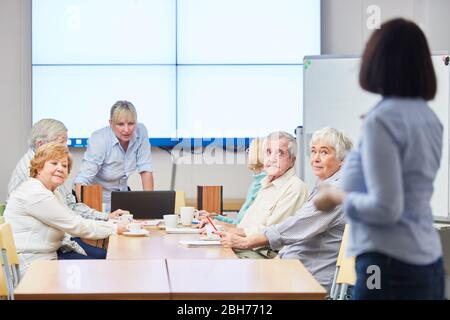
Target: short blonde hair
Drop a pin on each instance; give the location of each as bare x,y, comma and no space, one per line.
335,139
46,152
123,108
256,154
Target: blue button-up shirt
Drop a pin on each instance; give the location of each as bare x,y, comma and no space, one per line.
106,163
390,180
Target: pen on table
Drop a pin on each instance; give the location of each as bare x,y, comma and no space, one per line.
210,221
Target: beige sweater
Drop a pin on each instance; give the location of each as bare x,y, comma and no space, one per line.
276,201
39,221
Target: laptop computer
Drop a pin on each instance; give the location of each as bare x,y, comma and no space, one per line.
144,204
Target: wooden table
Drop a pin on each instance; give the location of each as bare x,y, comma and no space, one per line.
242,279
158,267
95,279
160,245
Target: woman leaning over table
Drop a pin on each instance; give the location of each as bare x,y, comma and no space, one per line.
388,181
38,217
115,152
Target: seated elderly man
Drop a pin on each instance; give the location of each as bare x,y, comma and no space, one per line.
281,193
51,130
310,235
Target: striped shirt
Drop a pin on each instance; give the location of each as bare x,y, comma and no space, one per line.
312,236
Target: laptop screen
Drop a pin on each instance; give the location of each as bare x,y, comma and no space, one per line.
144,204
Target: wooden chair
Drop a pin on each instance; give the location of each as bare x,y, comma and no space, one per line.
335,287
180,201
210,198
346,277
9,260
92,196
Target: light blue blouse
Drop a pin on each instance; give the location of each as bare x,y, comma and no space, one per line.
106,163
251,195
390,182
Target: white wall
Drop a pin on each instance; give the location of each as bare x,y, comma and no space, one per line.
15,85
344,31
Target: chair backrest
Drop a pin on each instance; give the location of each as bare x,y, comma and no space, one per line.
335,287
180,201
346,273
343,247
210,198
7,243
92,196
10,273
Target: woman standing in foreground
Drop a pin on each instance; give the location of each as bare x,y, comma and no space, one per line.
388,181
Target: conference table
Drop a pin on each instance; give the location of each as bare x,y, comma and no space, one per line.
157,266
95,279
160,245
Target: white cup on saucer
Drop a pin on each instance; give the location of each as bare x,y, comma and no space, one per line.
126,217
171,220
134,227
187,215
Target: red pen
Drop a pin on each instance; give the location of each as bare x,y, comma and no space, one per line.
210,221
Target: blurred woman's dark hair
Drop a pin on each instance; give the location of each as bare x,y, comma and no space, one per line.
397,62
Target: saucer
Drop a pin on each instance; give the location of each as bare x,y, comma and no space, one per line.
140,233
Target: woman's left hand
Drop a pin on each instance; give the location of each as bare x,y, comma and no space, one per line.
329,197
118,213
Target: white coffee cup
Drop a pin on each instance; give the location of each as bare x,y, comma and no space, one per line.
187,215
170,220
134,227
126,217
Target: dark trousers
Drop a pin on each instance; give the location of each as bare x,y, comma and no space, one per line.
381,277
91,251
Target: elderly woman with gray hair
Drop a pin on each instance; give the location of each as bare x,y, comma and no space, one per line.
45,131
311,235
39,219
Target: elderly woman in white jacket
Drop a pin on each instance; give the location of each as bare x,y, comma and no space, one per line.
39,218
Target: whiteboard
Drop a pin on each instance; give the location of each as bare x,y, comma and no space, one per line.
332,97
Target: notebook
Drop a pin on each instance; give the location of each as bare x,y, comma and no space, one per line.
183,230
200,243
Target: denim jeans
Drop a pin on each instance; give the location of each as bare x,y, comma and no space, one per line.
91,251
397,280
